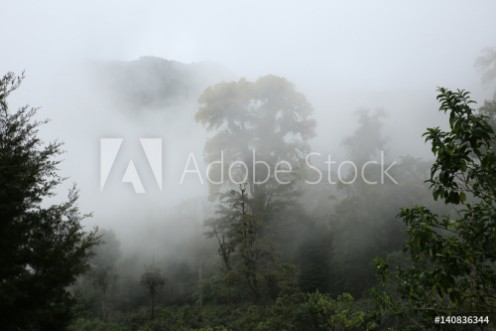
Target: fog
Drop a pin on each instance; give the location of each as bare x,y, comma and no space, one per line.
97,71
342,55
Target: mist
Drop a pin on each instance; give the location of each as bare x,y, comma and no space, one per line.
369,72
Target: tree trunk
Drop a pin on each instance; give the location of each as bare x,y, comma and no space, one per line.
153,305
200,285
103,307
228,295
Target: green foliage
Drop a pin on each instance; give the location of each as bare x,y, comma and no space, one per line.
245,112
268,120
95,325
465,163
296,312
314,257
250,262
317,311
452,259
43,248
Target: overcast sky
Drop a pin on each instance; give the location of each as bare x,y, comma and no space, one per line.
348,43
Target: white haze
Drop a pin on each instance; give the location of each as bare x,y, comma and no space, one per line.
343,55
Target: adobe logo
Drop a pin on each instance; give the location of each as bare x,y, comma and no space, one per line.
109,149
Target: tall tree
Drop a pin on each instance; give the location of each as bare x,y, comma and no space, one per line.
42,248
220,227
252,247
452,269
152,280
357,223
254,122
267,120
367,140
486,63
103,272
252,259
